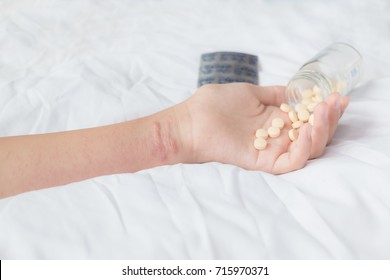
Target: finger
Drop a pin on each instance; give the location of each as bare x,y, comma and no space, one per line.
334,113
320,130
272,95
298,155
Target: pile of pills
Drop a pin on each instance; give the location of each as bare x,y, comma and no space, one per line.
299,115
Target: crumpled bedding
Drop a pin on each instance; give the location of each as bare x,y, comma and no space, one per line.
74,64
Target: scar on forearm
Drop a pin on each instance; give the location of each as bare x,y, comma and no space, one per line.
164,143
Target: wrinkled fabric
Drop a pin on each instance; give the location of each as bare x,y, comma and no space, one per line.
75,64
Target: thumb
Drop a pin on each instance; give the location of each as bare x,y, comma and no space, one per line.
271,95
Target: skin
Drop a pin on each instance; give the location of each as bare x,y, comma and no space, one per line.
217,123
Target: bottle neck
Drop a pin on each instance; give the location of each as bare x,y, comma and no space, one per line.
307,79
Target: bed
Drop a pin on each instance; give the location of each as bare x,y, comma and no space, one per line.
74,64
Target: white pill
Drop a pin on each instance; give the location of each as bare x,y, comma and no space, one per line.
293,134
306,102
307,93
310,107
273,132
299,107
316,89
293,116
317,98
260,143
285,107
278,122
303,115
261,133
311,119
297,124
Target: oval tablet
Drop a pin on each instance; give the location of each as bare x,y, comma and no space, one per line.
278,122
297,124
273,132
285,107
316,89
307,93
293,116
306,102
311,119
310,107
303,115
261,133
300,107
293,134
317,98
260,143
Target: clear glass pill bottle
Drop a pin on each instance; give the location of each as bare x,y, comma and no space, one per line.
336,68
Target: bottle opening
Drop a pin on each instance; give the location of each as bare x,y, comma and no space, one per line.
307,86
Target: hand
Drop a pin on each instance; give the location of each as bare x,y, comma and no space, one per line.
224,119
217,123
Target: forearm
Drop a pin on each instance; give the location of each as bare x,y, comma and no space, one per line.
40,161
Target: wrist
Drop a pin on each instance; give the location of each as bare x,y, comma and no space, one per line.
184,126
171,140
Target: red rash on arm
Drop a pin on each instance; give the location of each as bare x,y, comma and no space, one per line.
164,145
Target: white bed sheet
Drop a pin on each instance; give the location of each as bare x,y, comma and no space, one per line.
74,64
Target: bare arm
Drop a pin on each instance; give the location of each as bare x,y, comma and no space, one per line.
217,123
39,161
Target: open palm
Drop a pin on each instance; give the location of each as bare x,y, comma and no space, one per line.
225,118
